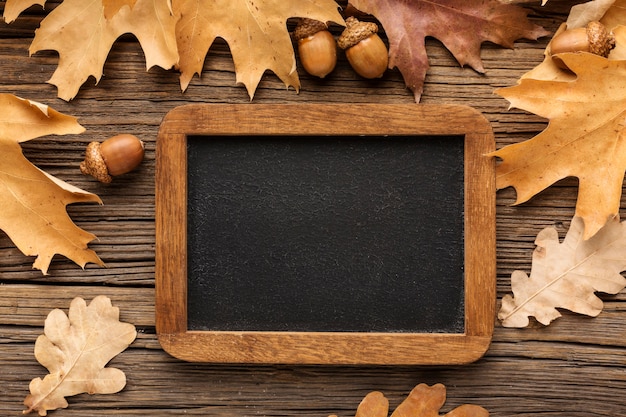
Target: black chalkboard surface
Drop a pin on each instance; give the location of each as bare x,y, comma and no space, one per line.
321,234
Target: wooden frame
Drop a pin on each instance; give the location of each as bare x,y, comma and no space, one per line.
324,347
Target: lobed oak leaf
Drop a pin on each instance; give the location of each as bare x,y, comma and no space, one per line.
13,8
567,275
83,32
422,401
32,203
462,26
584,137
256,32
76,349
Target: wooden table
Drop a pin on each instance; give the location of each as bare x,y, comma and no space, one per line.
574,367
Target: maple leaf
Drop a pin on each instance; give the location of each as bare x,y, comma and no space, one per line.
584,138
83,32
255,30
422,401
567,275
76,349
462,26
32,203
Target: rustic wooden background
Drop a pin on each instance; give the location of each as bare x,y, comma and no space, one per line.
574,367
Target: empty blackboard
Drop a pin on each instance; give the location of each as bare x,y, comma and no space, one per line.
325,234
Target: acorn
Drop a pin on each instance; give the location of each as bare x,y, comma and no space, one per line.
366,52
115,156
593,38
317,48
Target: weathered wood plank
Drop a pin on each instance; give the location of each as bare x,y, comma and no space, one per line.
574,367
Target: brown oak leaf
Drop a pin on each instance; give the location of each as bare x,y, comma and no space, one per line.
584,138
32,203
567,275
462,26
76,349
422,401
255,31
83,32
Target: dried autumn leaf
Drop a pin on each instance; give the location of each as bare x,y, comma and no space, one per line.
256,33
567,275
462,26
83,32
584,138
32,203
76,349
422,401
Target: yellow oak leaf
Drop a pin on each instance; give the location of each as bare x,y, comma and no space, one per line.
585,137
255,30
13,8
76,349
567,275
32,203
83,32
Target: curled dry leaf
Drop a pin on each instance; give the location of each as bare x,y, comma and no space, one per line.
422,401
32,203
76,349
567,275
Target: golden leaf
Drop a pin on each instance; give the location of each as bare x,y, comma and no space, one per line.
32,203
585,137
83,32
76,349
255,31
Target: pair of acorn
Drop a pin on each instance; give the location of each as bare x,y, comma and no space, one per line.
364,49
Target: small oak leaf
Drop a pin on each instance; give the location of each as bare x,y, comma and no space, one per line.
567,275
422,401
76,349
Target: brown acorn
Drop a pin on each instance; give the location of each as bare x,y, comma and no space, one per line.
366,52
115,156
593,38
317,48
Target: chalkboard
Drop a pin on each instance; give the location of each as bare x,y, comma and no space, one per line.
334,234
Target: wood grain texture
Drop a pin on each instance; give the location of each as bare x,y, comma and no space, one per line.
575,367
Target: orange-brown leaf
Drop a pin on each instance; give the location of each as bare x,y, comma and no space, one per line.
32,203
76,349
462,26
422,401
585,137
256,33
84,32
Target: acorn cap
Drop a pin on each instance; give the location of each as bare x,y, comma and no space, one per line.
94,164
601,41
355,32
308,27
